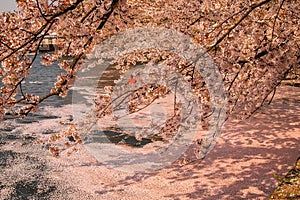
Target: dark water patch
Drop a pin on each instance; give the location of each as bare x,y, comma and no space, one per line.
29,137
48,132
31,118
70,118
30,180
71,139
7,129
44,117
9,158
27,140
12,137
34,162
25,189
117,138
25,121
33,189
6,157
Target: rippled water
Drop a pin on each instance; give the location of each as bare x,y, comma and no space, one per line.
42,79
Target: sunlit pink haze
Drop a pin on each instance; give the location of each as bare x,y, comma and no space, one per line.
7,5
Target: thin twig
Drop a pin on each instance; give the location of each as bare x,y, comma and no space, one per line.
251,9
276,17
40,10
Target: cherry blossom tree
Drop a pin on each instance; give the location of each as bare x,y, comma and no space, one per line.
255,44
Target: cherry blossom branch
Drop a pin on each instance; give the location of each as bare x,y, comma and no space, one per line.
271,90
275,19
251,9
29,66
31,40
6,45
40,10
105,17
226,20
68,9
88,14
235,77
